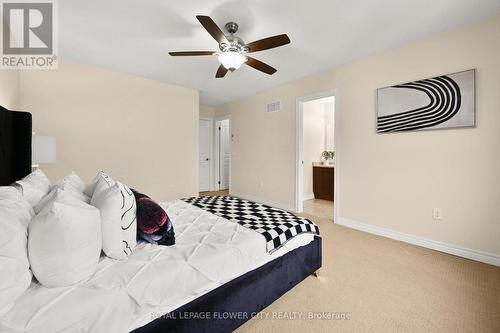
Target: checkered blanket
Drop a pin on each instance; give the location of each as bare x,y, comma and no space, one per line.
276,225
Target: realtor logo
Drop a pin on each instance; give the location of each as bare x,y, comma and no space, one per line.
28,35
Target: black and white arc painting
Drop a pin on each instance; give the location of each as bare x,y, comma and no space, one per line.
441,102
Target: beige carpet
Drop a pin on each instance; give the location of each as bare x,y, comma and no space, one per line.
319,208
383,285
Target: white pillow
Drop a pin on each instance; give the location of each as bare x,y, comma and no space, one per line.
64,242
12,200
75,192
10,192
34,186
15,276
31,193
19,208
75,180
38,179
117,205
58,188
91,187
11,197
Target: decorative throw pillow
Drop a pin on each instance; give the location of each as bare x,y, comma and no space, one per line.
64,242
68,188
91,187
153,224
12,199
16,275
34,186
74,180
117,206
38,179
31,194
10,192
75,192
138,195
15,215
20,208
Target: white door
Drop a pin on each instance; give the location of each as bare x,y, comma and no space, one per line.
225,155
204,155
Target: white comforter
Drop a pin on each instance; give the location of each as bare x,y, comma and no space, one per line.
124,295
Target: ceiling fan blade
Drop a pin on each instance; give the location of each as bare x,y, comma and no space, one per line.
221,72
212,29
191,53
268,43
259,65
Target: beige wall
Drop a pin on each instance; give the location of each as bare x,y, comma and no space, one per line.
207,111
9,89
313,141
394,180
9,86
143,132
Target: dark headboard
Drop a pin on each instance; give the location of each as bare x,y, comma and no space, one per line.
15,145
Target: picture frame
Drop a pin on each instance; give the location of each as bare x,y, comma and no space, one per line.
440,102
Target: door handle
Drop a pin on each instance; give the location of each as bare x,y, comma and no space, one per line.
207,159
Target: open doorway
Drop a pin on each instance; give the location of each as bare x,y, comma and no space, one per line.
315,190
222,155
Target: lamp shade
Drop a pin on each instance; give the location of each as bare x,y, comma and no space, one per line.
43,149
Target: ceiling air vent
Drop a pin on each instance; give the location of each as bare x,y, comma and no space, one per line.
274,106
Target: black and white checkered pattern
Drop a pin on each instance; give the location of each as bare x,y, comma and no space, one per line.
276,225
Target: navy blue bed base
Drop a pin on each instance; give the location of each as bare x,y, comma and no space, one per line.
229,306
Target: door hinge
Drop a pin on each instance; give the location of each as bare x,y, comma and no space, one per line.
218,182
219,128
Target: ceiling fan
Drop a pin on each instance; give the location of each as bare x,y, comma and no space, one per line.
233,51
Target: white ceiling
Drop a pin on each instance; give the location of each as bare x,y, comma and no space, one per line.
134,36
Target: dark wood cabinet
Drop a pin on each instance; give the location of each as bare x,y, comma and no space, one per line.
323,182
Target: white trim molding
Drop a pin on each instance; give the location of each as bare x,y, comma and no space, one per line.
299,120
264,202
488,258
309,196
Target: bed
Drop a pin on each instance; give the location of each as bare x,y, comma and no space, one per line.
218,275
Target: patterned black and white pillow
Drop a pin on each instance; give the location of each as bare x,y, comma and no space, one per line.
128,218
117,206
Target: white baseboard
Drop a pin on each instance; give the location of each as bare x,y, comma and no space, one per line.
309,196
488,258
265,202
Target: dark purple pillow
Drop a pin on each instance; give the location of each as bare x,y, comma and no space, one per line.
150,216
138,195
153,224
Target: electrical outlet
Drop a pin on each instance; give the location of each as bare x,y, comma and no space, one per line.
437,213
261,184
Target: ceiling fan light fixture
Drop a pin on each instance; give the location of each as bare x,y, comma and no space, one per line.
231,60
233,50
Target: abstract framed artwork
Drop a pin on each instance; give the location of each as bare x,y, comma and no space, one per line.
446,101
